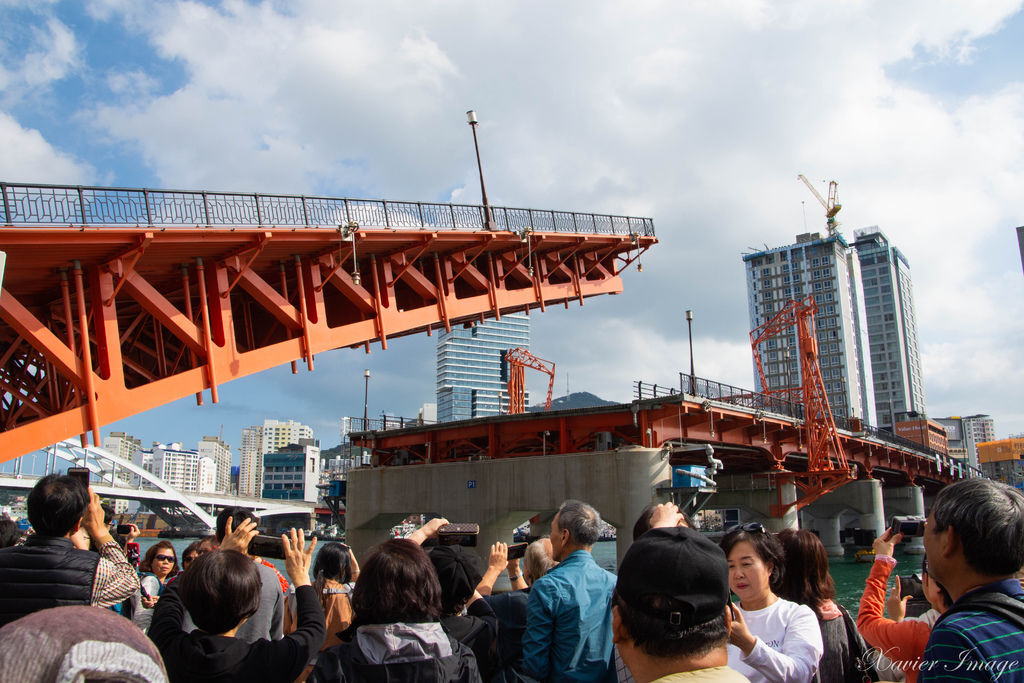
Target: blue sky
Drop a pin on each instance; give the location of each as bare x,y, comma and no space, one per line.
698,114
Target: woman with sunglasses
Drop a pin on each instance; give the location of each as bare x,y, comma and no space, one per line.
158,567
771,639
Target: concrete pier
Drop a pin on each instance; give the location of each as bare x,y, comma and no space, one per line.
862,498
503,493
906,500
754,496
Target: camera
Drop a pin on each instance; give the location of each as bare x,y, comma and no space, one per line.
267,546
464,534
909,525
911,587
81,474
517,550
124,529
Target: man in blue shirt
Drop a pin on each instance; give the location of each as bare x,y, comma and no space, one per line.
974,540
568,615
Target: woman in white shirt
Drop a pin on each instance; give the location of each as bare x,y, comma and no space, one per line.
771,640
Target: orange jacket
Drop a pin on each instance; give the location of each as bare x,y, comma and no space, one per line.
903,642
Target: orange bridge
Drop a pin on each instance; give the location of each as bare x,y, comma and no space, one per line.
116,301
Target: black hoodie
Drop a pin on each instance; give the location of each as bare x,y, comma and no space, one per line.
198,656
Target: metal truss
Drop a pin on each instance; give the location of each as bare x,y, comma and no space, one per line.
103,318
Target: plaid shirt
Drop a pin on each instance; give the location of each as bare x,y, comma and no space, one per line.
116,579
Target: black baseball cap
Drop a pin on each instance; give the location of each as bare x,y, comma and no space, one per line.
679,564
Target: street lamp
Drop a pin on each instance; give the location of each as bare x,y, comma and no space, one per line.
471,118
689,330
366,396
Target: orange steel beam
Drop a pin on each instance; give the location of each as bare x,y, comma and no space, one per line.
754,443
140,342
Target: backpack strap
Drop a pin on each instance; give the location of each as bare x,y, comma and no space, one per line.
1006,607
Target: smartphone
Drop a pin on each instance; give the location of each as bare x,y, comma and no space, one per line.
911,587
267,546
517,550
464,534
909,525
124,529
81,474
143,591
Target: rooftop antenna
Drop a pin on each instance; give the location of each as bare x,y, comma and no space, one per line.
803,206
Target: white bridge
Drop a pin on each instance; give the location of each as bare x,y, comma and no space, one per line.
114,477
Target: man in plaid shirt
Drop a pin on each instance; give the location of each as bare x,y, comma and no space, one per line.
49,570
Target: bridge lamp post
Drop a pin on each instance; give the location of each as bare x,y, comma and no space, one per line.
366,396
689,330
471,118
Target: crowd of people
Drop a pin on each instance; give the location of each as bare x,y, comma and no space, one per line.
74,607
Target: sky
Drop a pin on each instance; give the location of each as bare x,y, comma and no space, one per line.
698,114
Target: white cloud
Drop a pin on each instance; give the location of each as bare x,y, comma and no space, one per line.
698,114
29,158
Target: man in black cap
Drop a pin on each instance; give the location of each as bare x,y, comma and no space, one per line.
670,609
459,574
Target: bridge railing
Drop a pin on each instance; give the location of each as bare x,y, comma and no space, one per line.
109,206
746,398
358,424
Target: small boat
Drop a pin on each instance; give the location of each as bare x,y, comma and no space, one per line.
864,555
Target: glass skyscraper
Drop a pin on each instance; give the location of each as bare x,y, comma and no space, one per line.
472,376
892,327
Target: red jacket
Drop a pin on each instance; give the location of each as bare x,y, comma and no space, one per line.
902,642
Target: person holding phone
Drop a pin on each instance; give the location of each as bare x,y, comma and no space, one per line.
48,570
158,567
902,640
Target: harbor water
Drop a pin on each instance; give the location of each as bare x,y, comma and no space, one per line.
849,576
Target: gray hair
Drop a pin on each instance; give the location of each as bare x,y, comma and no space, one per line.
988,517
582,522
537,561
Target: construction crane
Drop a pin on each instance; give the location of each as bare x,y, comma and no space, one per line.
827,466
518,360
831,206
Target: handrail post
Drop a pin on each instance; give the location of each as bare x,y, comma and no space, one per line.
7,208
206,210
305,215
259,214
81,206
145,200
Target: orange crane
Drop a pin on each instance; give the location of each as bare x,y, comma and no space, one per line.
827,467
518,360
831,205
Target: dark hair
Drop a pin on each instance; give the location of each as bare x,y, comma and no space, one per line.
988,518
397,583
659,638
108,514
56,504
9,532
765,545
582,522
237,515
334,563
147,563
643,524
806,580
220,589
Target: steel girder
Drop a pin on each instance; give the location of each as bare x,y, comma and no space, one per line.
100,323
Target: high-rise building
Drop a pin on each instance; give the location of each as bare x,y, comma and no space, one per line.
828,269
250,468
472,376
182,469
125,446
214,447
892,327
259,440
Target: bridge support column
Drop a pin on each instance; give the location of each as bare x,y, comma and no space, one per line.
501,494
906,500
754,496
862,498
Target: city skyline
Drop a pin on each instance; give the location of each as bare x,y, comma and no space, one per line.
698,117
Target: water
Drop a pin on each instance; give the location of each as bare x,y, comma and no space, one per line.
848,575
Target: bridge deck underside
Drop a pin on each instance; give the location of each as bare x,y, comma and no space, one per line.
744,441
97,324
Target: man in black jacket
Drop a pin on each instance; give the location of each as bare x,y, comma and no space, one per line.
48,570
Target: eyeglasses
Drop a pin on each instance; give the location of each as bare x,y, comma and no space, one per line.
164,558
750,528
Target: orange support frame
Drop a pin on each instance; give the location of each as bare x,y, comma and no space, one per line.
188,314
